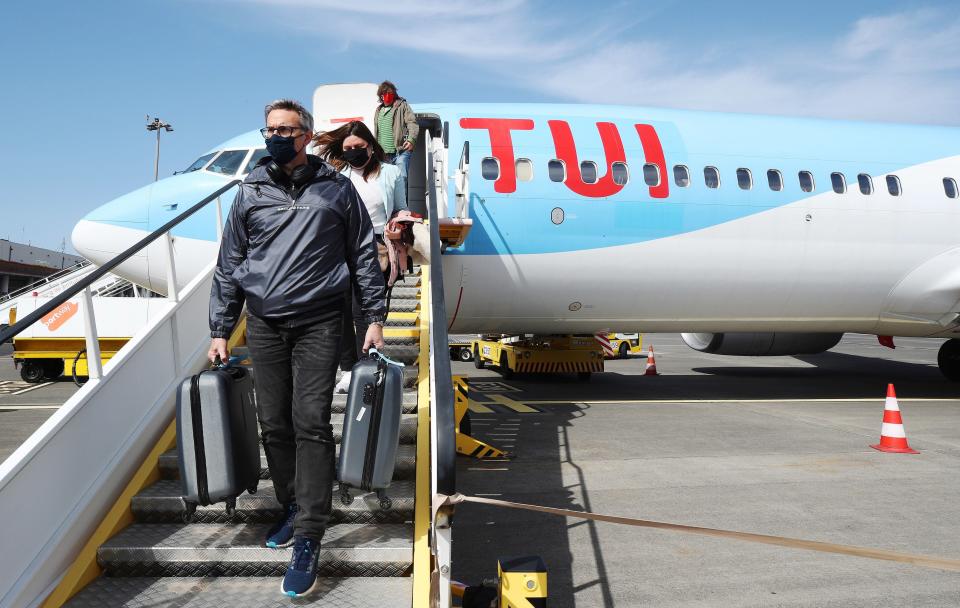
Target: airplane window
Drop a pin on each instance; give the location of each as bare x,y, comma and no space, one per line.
524,170
712,177
651,175
588,172
228,162
490,168
950,187
557,170
806,181
258,155
620,173
775,179
744,179
199,163
893,185
866,183
681,176
839,182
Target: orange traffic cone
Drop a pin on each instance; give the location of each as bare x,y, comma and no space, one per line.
651,364
892,436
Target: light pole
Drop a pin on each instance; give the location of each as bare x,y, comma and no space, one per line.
157,125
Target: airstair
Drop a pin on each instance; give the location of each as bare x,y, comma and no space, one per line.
92,499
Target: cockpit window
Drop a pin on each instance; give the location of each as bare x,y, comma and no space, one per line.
199,163
228,162
258,155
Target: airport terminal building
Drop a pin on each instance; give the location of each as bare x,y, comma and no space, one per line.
21,265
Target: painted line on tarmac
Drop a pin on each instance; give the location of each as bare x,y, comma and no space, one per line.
640,401
31,406
32,388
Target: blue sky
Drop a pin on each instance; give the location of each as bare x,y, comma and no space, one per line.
79,77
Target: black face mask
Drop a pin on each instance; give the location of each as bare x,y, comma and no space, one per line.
357,157
282,149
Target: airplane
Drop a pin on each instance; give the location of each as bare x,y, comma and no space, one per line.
752,234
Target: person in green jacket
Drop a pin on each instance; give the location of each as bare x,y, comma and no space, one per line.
395,126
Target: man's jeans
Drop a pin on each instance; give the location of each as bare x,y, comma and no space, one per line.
402,160
294,370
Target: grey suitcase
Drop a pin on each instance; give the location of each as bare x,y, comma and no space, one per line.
217,439
371,427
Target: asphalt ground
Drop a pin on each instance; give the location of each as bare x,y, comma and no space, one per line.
773,445
23,406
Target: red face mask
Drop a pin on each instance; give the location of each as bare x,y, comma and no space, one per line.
389,98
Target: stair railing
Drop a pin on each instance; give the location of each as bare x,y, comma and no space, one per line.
462,181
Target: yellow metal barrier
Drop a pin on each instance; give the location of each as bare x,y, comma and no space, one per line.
523,582
466,444
422,563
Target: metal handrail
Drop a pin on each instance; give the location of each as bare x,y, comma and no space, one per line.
60,274
463,182
82,285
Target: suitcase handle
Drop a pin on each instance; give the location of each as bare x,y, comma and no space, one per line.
233,360
384,358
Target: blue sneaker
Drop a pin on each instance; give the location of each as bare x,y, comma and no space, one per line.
281,534
301,576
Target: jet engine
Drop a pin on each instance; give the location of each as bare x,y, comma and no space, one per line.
759,344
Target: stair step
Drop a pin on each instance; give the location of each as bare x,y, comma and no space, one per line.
404,350
160,503
236,592
403,292
403,319
404,305
237,550
405,467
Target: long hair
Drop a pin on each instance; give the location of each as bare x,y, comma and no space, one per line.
330,144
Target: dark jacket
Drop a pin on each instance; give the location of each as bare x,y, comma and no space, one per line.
291,254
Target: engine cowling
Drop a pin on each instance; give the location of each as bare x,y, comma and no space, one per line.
761,344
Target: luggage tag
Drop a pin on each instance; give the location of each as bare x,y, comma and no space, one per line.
373,351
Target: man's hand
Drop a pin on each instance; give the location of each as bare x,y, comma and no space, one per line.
218,346
374,337
406,146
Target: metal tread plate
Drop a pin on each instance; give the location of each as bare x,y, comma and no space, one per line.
161,502
236,592
237,550
402,292
405,467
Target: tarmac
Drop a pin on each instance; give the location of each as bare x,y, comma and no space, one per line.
773,445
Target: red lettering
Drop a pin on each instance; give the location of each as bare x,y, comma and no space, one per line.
501,146
653,153
567,152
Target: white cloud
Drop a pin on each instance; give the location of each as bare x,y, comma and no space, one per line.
896,67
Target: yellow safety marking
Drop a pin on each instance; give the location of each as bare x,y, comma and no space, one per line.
421,520
479,408
404,317
85,568
512,404
401,332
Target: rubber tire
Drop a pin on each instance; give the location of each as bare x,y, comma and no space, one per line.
584,376
949,359
477,361
624,351
32,372
53,369
465,354
504,366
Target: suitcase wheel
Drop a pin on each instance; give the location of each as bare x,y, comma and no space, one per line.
189,508
345,497
252,490
231,507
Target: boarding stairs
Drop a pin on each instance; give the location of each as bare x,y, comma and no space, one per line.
108,286
92,499
366,554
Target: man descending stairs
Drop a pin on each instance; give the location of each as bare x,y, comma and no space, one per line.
366,556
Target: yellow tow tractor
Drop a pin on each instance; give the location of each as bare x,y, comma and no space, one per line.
624,345
44,359
551,354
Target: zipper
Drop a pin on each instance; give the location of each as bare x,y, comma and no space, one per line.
373,434
196,419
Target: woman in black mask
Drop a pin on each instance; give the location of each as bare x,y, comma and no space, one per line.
355,152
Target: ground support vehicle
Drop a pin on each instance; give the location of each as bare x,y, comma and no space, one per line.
581,355
624,345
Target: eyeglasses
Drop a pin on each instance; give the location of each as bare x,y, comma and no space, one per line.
284,131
